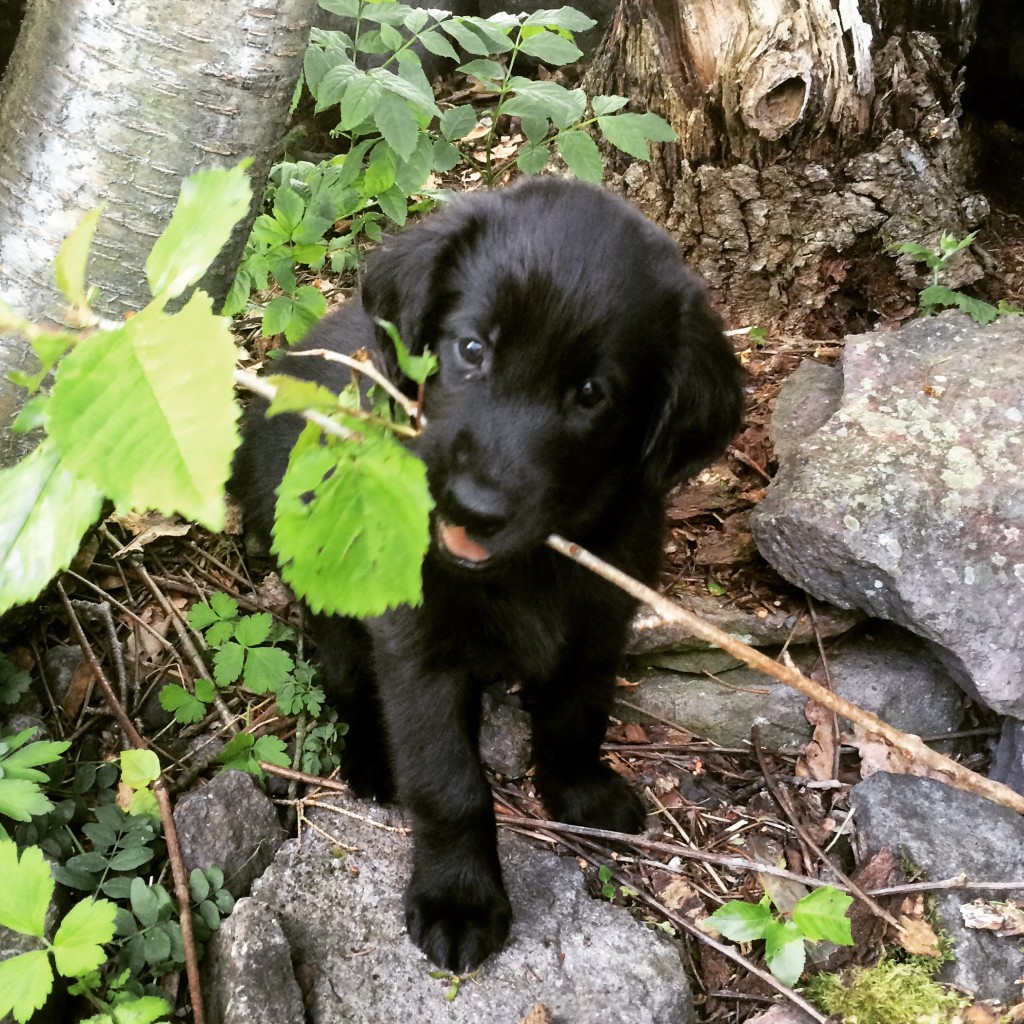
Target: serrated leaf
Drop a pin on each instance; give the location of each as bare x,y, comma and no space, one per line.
146,373
980,312
784,951
361,99
334,85
139,768
227,664
253,629
396,123
144,1010
438,45
25,982
211,203
533,157
309,305
45,509
294,395
457,122
741,922
266,668
185,706
356,548
607,104
551,48
821,914
237,754
582,156
563,106
21,763
411,174
78,944
69,267
271,749
444,156
470,34
201,615
562,17
21,799
633,132
380,171
490,72
26,891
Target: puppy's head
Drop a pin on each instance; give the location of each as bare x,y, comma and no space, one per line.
580,364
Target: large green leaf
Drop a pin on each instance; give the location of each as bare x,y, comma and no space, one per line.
25,982
26,891
581,154
210,205
147,412
78,944
45,509
357,546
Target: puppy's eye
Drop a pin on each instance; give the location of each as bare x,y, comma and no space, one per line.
470,352
590,394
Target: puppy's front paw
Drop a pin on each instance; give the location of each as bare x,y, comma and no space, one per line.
459,922
602,799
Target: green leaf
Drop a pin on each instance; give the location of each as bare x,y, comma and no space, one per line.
581,154
201,614
44,511
416,368
69,267
185,706
546,99
271,749
22,800
309,305
411,174
253,629
356,547
227,664
143,802
380,170
939,295
237,754
139,768
567,18
607,104
21,763
144,1010
438,45
395,204
146,373
741,921
457,122
821,914
266,668
145,903
489,72
445,156
210,205
198,886
26,891
632,132
551,48
396,123
25,982
277,315
474,35
533,157
361,99
784,951
294,395
78,944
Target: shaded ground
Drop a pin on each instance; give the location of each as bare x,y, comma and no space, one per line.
715,805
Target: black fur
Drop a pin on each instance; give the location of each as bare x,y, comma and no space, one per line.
603,380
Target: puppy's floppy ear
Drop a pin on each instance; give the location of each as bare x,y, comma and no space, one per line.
701,399
404,282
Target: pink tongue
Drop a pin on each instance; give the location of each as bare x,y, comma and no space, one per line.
459,543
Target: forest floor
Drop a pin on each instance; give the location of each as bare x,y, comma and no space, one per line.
734,801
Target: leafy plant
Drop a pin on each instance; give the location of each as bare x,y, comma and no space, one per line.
21,795
13,682
121,844
939,296
821,914
122,1003
244,752
139,770
77,947
608,890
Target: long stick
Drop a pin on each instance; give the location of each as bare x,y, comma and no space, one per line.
909,745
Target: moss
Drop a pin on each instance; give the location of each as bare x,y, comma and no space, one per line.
888,993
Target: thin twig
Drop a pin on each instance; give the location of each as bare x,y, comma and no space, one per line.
910,746
184,905
368,369
783,800
260,387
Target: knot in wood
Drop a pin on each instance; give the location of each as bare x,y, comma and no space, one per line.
775,93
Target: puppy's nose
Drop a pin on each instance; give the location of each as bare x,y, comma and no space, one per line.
480,507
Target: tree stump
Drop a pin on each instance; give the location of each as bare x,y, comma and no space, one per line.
811,135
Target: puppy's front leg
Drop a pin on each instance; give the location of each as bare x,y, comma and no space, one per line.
456,909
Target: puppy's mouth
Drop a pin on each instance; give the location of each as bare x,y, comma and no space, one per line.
460,547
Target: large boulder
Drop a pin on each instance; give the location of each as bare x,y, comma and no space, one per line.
334,912
908,501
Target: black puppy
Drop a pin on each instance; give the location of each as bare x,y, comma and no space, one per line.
581,376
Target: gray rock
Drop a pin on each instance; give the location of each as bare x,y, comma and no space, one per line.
248,976
586,960
229,824
504,737
909,502
809,399
883,669
946,831
1007,764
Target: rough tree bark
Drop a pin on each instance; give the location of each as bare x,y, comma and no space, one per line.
811,133
115,104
